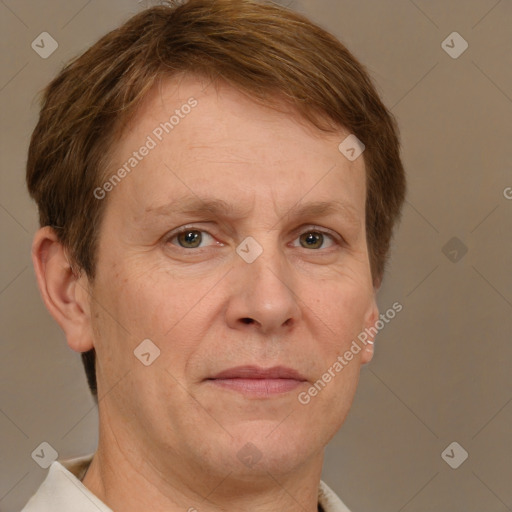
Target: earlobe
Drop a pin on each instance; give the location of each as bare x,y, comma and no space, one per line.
64,294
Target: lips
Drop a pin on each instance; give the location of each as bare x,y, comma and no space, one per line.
255,372
259,382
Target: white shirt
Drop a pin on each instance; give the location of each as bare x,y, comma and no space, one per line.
62,491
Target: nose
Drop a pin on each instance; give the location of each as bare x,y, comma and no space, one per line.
262,294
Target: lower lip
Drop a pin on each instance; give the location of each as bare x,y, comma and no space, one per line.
259,387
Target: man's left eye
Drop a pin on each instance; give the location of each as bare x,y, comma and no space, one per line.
193,238
314,239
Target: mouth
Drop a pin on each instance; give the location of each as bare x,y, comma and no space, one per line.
259,382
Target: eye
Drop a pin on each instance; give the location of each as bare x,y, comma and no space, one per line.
314,239
193,238
189,238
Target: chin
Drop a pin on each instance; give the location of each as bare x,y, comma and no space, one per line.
272,447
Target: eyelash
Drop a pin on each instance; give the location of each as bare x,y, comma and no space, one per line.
311,229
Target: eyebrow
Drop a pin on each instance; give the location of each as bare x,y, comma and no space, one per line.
217,207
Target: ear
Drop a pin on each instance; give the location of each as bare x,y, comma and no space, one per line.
65,294
369,322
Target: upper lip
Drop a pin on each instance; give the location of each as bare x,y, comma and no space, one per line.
257,372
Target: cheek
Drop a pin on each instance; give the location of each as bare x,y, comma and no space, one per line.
340,313
342,309
334,401
124,316
141,301
128,312
152,305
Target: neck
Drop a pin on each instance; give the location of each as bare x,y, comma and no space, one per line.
131,480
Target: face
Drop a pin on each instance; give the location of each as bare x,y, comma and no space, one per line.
236,244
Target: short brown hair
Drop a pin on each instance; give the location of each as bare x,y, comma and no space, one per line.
261,49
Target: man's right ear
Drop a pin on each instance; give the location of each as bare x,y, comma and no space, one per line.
65,295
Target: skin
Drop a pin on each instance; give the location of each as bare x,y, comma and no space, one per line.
169,438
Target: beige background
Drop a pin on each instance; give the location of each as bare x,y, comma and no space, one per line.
441,372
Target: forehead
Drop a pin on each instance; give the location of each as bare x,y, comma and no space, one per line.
195,139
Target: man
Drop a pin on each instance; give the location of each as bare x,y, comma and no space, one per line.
217,183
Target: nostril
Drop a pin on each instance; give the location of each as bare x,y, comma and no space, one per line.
247,320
